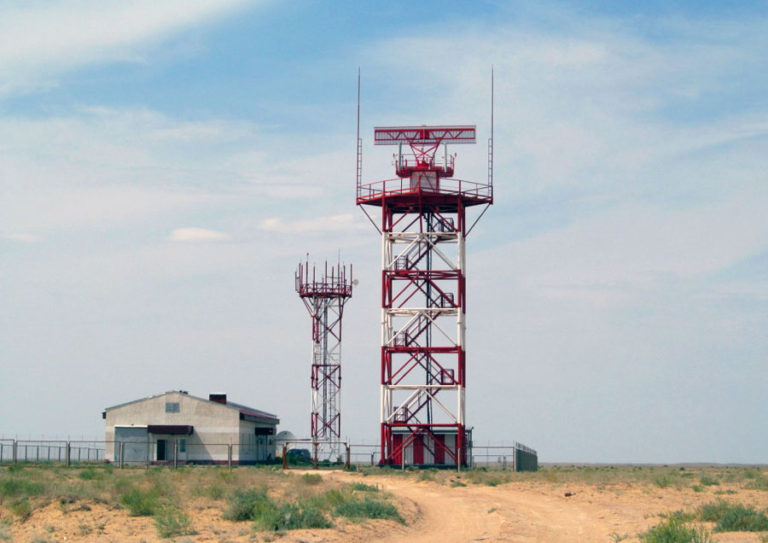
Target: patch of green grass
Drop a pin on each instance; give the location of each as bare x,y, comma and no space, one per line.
758,482
311,479
21,508
362,487
674,531
706,480
494,481
90,474
215,491
269,515
733,517
679,515
170,522
245,504
141,503
331,498
739,518
293,517
713,512
427,475
14,487
485,477
369,509
663,480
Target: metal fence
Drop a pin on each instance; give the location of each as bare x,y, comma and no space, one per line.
42,450
516,457
362,454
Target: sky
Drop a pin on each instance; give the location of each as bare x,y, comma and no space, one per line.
164,166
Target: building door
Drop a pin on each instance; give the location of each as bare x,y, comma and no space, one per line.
182,449
161,450
418,450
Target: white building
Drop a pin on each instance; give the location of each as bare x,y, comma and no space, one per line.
175,426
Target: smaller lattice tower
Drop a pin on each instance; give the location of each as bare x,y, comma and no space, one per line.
324,296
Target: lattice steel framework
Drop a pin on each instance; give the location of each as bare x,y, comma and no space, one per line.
423,259
324,296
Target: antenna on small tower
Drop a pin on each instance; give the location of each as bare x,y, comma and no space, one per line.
490,140
359,141
490,162
359,163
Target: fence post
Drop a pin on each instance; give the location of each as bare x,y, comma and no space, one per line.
347,463
514,458
121,448
229,456
1,452
285,456
372,455
175,454
66,453
314,446
15,451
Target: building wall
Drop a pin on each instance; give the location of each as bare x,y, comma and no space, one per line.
215,427
422,450
255,448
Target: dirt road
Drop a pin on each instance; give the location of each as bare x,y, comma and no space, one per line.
540,512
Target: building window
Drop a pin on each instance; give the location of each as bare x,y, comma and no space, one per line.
182,445
171,407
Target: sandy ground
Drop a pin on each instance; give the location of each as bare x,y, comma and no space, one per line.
514,512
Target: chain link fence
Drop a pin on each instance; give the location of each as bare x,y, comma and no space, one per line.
516,457
43,450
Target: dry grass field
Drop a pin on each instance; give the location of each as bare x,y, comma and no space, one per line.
652,504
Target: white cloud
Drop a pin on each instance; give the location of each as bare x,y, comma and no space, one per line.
41,40
106,165
22,237
193,234
331,223
635,243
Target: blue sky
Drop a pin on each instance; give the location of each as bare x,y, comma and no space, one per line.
164,166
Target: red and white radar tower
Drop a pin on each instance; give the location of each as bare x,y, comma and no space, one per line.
324,295
423,299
